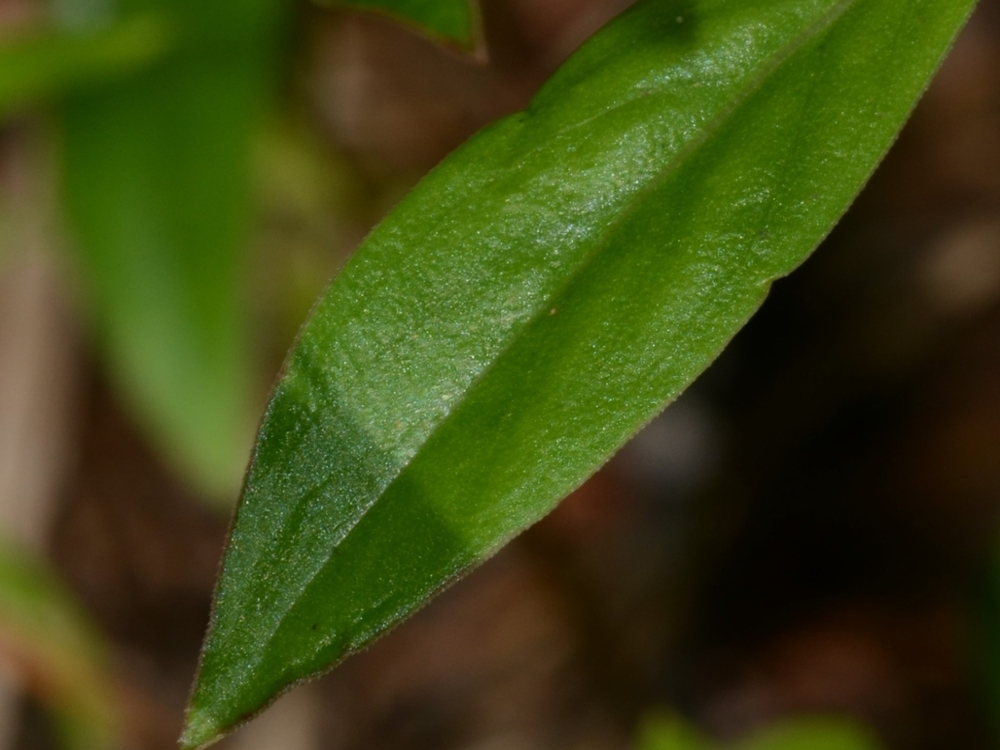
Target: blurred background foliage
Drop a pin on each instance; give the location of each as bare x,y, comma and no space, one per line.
57,649
811,530
672,733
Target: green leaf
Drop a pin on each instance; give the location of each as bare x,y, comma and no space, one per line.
801,733
986,635
60,655
816,733
449,20
38,65
670,732
536,300
157,172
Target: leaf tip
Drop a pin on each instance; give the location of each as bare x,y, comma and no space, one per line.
201,729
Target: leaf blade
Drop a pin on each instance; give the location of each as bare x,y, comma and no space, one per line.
43,64
449,20
670,732
816,733
156,180
601,249
59,652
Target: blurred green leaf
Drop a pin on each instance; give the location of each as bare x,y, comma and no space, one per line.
449,20
536,300
670,732
40,65
58,653
803,733
157,173
986,635
814,733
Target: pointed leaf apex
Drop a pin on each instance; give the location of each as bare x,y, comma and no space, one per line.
201,729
